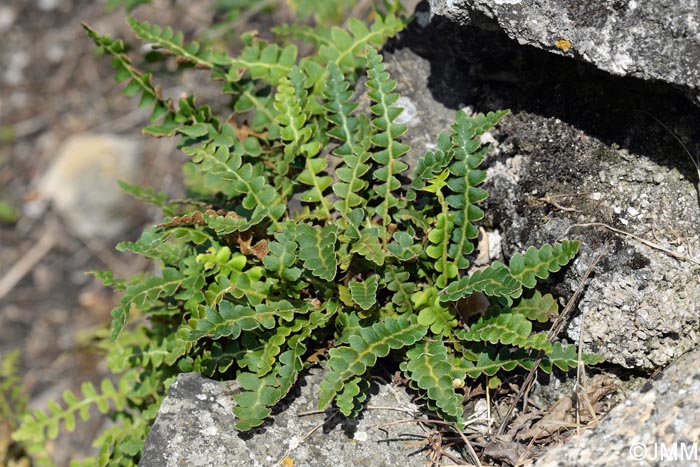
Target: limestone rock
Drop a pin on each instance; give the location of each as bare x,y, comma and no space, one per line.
662,419
651,40
195,427
81,183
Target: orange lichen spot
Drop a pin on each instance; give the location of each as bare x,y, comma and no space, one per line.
563,44
287,462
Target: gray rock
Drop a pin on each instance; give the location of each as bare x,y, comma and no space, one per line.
640,309
657,425
195,427
81,183
651,40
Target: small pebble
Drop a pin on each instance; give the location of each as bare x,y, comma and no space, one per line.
409,110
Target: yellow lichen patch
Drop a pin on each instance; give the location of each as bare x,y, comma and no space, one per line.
287,462
563,44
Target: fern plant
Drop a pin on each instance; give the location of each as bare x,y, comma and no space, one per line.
308,242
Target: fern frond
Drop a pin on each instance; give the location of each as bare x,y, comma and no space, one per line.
351,398
403,247
311,176
137,82
317,250
40,425
292,121
539,307
148,196
565,357
399,282
144,294
263,62
386,138
281,258
363,351
173,43
491,360
506,328
229,320
339,110
345,47
429,365
465,181
260,394
440,319
496,280
245,179
368,246
540,263
13,400
364,293
353,150
439,247
430,165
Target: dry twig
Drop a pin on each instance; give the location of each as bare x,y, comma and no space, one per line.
553,332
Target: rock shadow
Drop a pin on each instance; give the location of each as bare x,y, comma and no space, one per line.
488,70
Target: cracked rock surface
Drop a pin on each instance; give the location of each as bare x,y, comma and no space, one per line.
651,40
195,427
657,425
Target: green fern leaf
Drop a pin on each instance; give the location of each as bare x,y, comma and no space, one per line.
429,366
439,248
344,128
244,179
292,121
538,307
344,49
404,247
491,361
147,195
40,425
431,165
166,39
399,282
143,294
380,87
496,280
253,404
318,183
260,394
364,349
465,181
263,62
441,320
230,320
137,81
364,293
369,247
506,328
339,110
281,258
540,263
317,250
565,357
354,393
